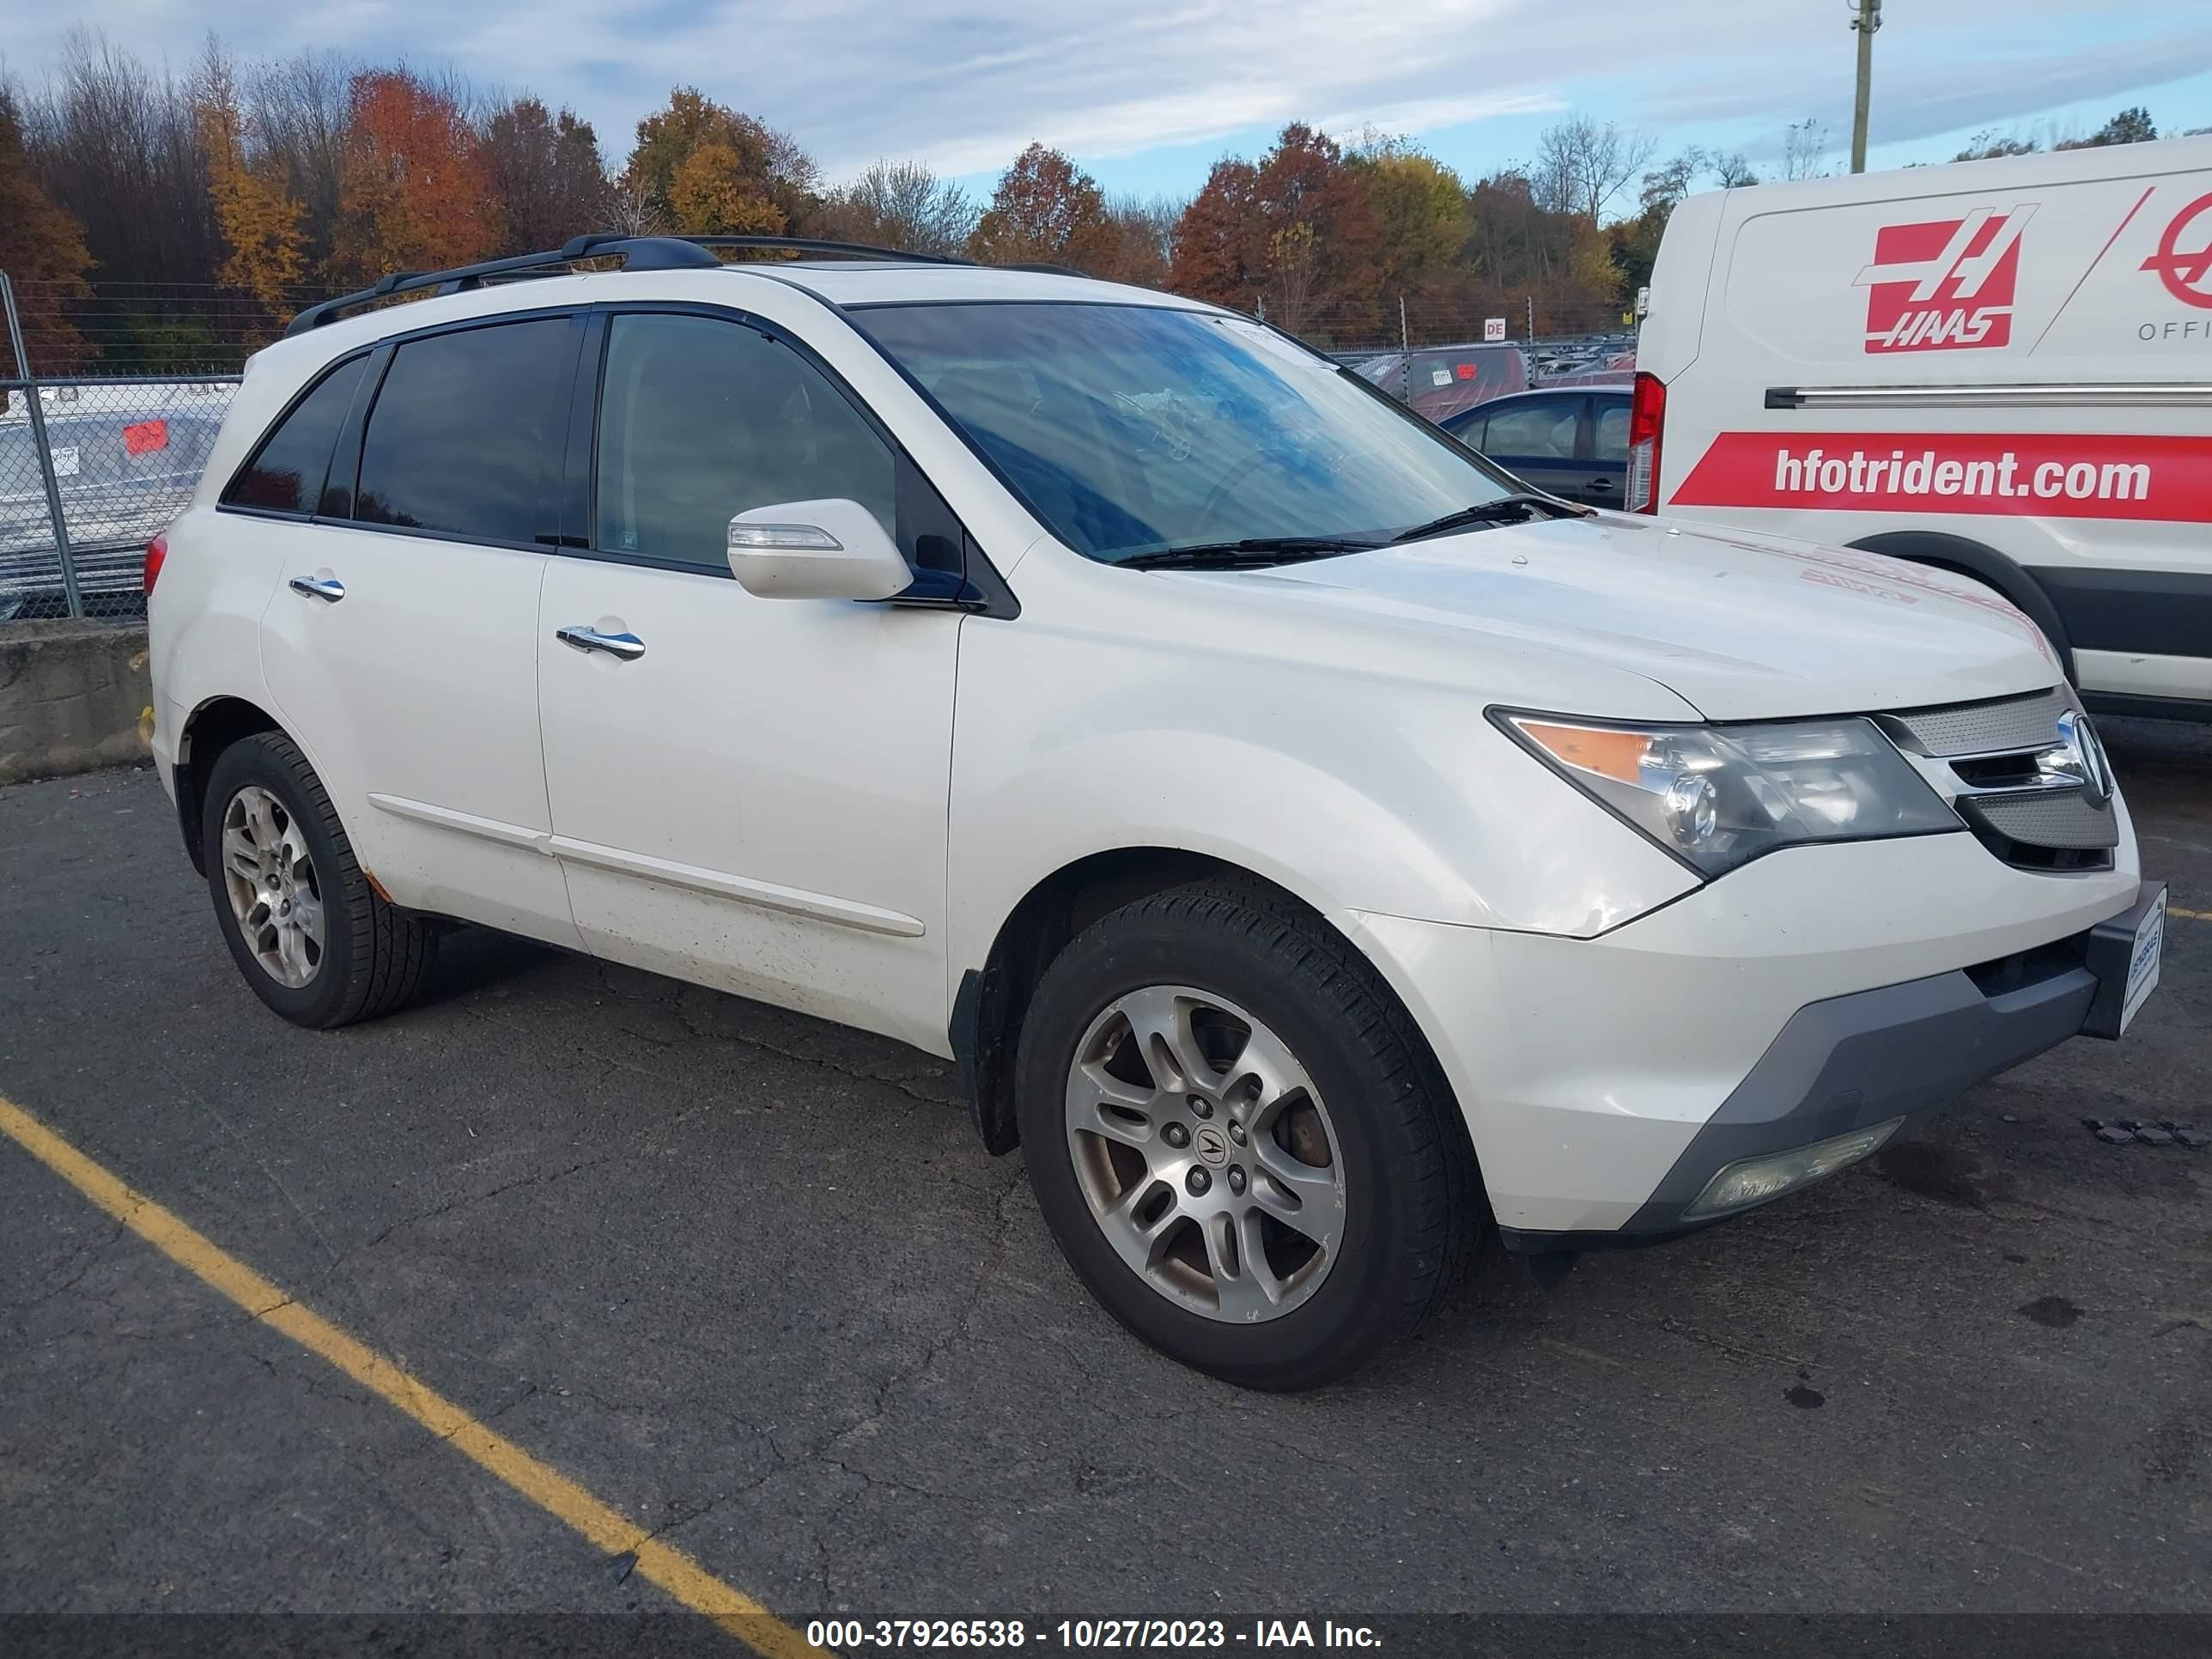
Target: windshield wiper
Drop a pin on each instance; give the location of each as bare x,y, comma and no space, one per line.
1505,510
1253,551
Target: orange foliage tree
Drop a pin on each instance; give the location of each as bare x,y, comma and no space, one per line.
1046,210
414,192
45,256
1296,228
259,220
703,168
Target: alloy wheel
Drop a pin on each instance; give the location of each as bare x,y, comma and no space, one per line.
1205,1154
274,894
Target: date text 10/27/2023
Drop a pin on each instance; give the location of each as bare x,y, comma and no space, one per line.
1088,1634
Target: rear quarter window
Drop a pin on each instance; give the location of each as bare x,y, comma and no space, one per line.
287,473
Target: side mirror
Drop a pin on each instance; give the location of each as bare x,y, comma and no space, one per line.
827,549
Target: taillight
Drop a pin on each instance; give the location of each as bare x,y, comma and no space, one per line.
157,552
1647,415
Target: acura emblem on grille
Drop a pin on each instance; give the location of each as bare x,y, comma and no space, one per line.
2083,755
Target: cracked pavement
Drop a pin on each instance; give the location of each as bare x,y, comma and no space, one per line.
749,1279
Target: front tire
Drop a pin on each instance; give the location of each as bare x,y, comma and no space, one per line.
311,935
1240,1142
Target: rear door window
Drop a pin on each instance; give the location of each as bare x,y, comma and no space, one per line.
1542,429
466,436
287,473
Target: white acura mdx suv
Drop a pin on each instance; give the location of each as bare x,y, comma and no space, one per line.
1320,853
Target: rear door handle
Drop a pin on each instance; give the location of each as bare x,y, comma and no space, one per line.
624,647
329,589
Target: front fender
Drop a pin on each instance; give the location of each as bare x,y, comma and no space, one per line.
1353,791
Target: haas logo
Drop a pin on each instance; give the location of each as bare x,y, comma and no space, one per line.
1946,285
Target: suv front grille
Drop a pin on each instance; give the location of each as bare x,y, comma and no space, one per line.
2008,725
2011,772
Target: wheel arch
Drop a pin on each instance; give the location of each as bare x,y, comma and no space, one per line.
213,727
1963,556
991,1001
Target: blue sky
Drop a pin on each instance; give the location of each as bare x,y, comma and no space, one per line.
1147,93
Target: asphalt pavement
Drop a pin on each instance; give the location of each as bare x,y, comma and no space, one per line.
748,1279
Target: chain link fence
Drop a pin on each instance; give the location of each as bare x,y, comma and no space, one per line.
91,470
1400,322
1442,356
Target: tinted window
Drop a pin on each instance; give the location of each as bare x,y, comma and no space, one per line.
467,432
1132,428
701,420
286,474
1612,432
1535,431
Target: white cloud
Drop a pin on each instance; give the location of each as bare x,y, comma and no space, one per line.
963,84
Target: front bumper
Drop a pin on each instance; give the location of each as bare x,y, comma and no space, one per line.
1900,1051
1816,991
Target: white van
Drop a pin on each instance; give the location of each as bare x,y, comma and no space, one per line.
2001,368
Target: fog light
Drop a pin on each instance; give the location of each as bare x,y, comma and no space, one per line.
1754,1180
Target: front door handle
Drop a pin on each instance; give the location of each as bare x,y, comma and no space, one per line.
329,589
624,647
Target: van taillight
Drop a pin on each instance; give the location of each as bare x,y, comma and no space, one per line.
157,551
1647,415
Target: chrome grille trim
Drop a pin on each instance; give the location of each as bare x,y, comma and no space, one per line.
2006,726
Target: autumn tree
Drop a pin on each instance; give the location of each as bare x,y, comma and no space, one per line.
299,111
1215,255
260,221
414,192
547,180
1293,254
1633,244
2131,126
45,256
1805,146
1237,245
1733,170
117,145
1585,163
1419,209
1141,250
901,205
1987,145
706,169
1046,210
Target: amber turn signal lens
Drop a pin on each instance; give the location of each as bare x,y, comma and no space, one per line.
1617,755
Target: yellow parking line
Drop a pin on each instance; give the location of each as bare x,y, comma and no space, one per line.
545,1487
2193,916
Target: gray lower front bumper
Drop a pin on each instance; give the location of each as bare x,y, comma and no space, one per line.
1899,1051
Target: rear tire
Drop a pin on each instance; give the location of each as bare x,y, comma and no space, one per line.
311,936
1239,1275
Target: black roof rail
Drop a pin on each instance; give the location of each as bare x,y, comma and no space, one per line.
811,245
636,252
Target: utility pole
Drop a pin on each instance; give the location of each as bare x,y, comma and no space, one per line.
1866,18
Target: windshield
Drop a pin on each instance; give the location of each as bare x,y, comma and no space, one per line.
1138,429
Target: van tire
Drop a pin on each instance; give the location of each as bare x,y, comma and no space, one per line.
374,958
1412,1216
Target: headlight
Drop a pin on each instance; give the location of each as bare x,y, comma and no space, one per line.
1718,796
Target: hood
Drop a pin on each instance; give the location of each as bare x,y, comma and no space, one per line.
1738,625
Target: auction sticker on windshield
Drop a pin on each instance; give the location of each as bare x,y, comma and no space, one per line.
64,460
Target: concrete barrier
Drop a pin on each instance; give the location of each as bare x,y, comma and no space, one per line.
74,695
